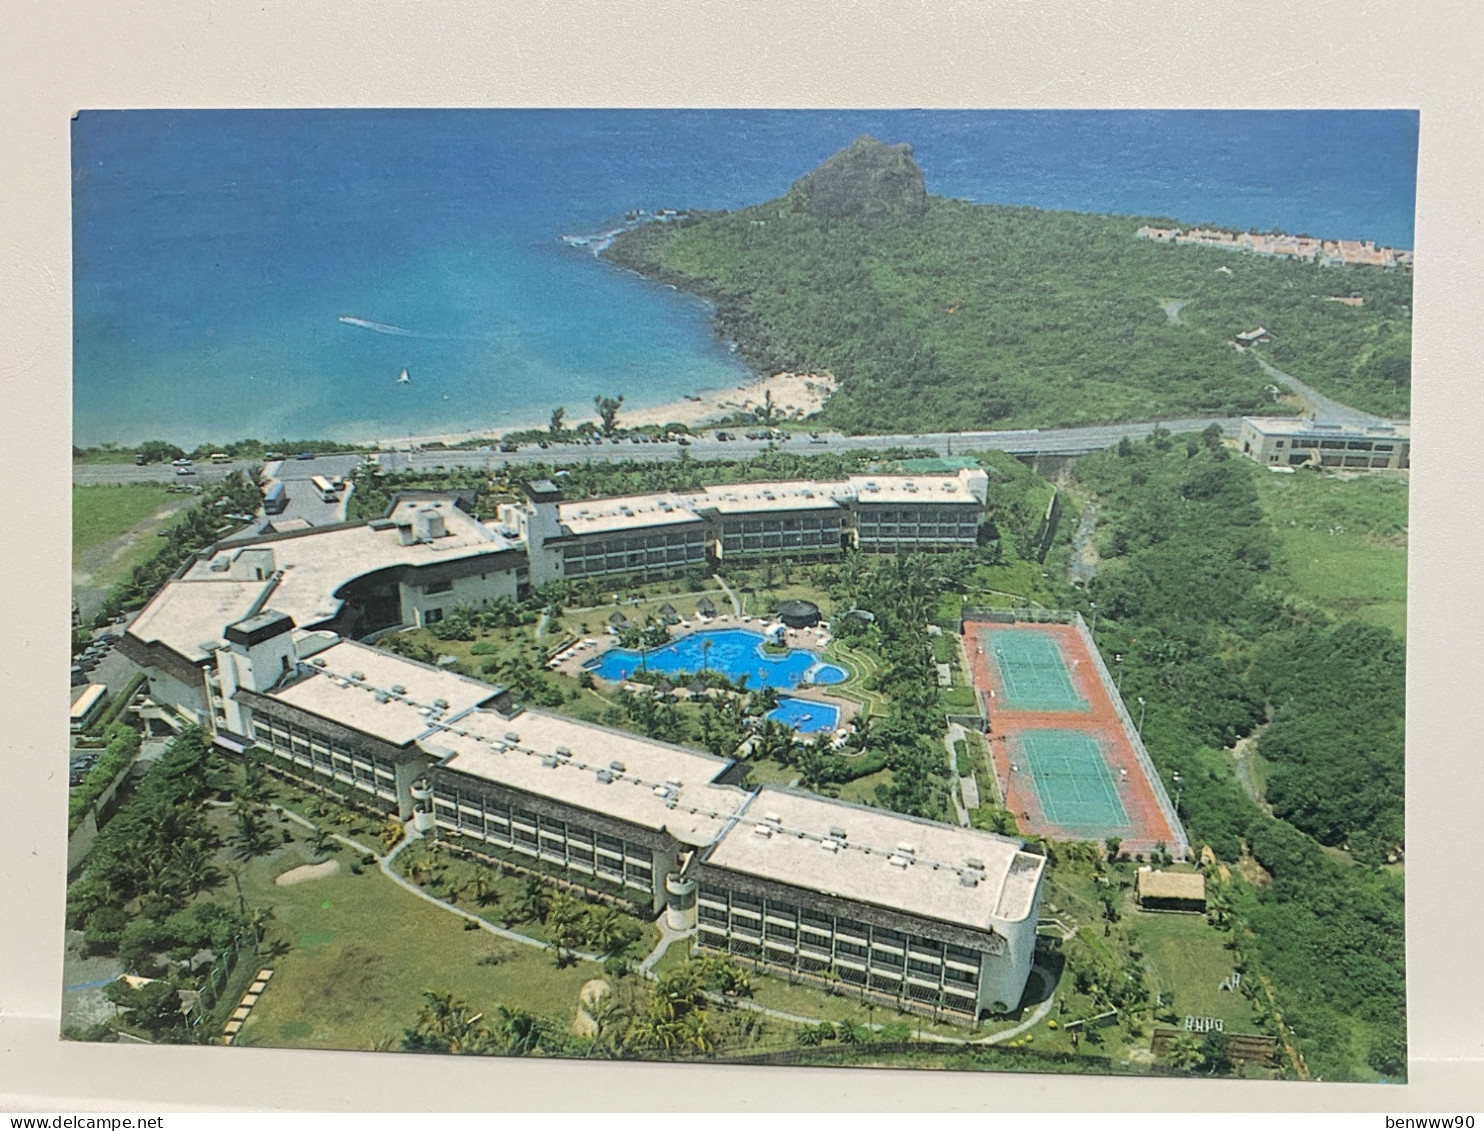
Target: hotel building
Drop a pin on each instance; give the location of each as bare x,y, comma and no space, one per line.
250,641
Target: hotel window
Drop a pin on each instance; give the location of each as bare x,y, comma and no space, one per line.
438,587
928,969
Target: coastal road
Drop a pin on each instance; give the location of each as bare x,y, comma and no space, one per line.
1045,441
1050,441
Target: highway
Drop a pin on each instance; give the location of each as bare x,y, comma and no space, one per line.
1051,441
1046,441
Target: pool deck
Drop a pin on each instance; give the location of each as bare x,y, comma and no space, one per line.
587,651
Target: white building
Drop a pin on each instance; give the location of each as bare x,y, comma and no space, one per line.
1278,441
246,642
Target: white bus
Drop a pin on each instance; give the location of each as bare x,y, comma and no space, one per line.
325,488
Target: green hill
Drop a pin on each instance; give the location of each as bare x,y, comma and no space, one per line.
937,313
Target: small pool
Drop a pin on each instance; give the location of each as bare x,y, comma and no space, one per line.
805,715
734,652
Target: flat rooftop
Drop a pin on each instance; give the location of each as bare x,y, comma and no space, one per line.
314,565
873,489
1302,426
796,851
659,787
629,512
354,688
754,498
193,611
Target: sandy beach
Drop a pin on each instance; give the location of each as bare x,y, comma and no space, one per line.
796,395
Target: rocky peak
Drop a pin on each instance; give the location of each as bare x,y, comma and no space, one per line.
867,181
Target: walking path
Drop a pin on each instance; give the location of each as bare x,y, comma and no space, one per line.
1084,564
727,589
955,734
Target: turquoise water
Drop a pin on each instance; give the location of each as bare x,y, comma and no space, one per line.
733,652
216,252
805,715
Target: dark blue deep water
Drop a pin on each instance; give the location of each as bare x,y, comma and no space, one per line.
215,252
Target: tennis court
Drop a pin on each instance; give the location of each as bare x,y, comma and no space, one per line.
1033,675
1072,781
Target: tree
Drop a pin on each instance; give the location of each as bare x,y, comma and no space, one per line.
608,412
1114,846
535,900
1185,1053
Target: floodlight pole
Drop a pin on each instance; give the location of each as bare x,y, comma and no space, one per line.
1094,605
1176,776
1118,666
1143,705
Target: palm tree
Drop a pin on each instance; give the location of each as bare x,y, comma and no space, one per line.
605,930
535,901
1185,1053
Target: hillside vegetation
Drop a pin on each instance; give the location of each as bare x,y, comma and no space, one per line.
966,316
1219,645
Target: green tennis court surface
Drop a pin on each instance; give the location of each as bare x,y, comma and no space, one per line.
1072,780
1033,675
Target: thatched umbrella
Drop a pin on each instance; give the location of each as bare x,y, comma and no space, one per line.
667,613
617,620
706,607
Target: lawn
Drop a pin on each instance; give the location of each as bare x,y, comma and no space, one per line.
1342,543
103,514
1186,957
362,951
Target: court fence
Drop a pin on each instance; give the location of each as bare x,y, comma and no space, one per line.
1180,849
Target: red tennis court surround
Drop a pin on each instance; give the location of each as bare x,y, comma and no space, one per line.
1147,819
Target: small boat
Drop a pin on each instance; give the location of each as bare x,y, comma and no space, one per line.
403,379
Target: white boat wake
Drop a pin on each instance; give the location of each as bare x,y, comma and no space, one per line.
379,327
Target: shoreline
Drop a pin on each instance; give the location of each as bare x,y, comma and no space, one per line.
795,396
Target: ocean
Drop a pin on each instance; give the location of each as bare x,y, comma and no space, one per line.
270,273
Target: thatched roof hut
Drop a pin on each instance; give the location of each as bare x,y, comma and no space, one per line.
799,614
706,607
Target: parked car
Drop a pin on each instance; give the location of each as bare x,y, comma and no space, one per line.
181,462
186,469
305,455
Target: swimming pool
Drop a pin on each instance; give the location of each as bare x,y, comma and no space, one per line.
805,715
734,652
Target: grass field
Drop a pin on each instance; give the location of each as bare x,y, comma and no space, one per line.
1186,958
1342,542
362,951
103,514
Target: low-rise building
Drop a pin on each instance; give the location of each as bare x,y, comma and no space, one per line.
1295,442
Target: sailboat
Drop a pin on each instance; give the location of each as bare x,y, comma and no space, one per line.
403,379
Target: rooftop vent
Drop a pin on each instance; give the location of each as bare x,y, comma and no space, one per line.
906,849
341,683
549,761
837,832
975,863
968,880
318,661
773,818
763,831
441,704
617,767
898,861
511,736
382,697
605,776
359,677
830,845
910,486
564,752
398,689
